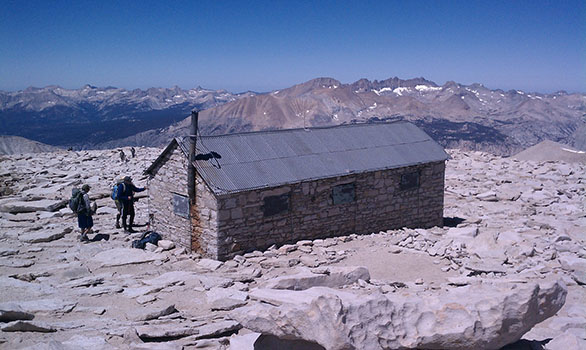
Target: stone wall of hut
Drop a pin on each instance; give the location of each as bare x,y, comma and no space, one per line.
380,203
205,221
172,217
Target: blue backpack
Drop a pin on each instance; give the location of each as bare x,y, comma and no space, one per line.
147,237
116,190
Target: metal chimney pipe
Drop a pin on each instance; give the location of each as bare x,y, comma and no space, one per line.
191,168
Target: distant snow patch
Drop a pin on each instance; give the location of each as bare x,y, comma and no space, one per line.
573,151
373,106
427,88
378,92
520,92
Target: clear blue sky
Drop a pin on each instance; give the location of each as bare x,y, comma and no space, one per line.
264,45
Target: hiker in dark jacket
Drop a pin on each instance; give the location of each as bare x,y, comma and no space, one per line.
126,197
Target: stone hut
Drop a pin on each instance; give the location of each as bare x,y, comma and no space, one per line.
256,189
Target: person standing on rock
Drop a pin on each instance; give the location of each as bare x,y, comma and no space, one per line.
133,152
122,156
84,214
117,202
126,197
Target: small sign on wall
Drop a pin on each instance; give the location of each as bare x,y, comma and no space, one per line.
343,193
180,205
275,204
410,181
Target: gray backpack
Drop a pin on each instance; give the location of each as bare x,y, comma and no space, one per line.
76,201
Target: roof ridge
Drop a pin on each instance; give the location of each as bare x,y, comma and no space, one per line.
306,129
338,151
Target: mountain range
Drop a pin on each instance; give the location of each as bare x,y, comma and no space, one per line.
456,115
90,115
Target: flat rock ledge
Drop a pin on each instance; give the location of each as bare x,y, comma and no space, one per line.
19,206
472,317
332,277
124,256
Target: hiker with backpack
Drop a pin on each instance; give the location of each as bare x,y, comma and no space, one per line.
114,196
80,204
125,195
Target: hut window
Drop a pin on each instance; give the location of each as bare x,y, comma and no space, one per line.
410,181
180,205
343,193
275,204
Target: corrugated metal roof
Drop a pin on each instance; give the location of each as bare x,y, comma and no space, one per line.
273,158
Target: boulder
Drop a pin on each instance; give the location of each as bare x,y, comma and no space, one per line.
171,331
81,342
156,346
84,282
566,341
331,277
27,326
13,312
31,206
123,256
226,304
209,264
489,196
44,235
244,342
134,292
209,282
469,231
146,315
216,293
171,278
15,262
166,244
470,317
4,251
49,306
50,345
149,247
32,217
18,287
216,329
571,262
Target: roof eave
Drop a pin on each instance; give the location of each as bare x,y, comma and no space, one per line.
229,192
161,156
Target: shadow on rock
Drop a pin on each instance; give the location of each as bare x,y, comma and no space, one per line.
526,345
271,342
100,237
453,221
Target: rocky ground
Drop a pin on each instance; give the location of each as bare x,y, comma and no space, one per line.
510,256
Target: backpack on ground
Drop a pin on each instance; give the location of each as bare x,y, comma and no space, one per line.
76,201
116,190
147,237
